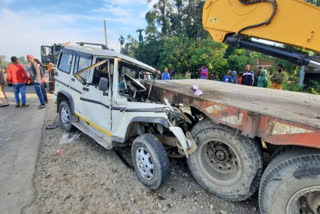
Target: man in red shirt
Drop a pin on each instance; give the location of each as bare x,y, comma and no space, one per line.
18,76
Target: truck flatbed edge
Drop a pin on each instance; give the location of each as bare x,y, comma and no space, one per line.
290,106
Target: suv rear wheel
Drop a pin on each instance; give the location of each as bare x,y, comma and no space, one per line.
65,115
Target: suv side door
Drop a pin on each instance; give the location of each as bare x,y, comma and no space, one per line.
96,103
81,61
64,68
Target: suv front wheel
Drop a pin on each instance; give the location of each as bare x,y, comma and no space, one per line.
65,115
150,160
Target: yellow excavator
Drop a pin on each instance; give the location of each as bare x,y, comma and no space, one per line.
292,23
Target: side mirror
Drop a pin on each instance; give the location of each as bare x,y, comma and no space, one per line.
103,84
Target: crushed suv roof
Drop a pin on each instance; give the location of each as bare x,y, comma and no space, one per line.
108,53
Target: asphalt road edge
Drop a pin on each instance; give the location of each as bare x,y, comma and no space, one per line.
34,185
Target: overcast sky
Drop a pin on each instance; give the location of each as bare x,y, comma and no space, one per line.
25,25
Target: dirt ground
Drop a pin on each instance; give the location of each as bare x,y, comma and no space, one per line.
86,178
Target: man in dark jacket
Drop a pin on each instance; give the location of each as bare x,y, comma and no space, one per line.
35,75
248,77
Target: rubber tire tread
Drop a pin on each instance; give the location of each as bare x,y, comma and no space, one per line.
69,126
287,160
253,148
159,158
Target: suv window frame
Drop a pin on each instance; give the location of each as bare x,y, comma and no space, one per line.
77,56
72,62
99,59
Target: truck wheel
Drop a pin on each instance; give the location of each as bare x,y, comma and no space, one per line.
226,165
150,160
65,116
291,184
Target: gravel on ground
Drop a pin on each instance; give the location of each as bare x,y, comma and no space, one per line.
83,177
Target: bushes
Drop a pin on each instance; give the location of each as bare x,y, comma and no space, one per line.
289,86
314,88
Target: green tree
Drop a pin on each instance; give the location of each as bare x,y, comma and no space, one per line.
151,29
193,20
121,40
149,52
176,18
22,60
174,37
240,58
161,11
315,2
3,61
210,54
130,46
140,34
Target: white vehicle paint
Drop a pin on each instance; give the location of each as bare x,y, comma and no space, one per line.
108,116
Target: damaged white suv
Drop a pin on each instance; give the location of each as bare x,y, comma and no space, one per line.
100,92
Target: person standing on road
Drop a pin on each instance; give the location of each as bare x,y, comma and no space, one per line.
188,75
278,78
204,72
248,77
217,77
234,77
18,76
211,76
3,88
43,82
240,78
227,77
255,79
36,76
51,77
165,74
172,73
262,80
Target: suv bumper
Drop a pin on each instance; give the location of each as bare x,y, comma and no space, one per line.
187,144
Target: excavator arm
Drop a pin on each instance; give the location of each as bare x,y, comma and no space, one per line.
291,22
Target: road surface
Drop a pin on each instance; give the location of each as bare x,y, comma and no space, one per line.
85,177
20,137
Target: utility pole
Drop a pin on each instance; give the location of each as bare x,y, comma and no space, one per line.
105,33
302,73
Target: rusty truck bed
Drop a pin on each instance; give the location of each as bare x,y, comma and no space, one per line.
279,117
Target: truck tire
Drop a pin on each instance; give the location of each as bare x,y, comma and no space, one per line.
224,164
150,160
291,183
65,116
